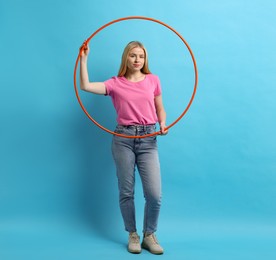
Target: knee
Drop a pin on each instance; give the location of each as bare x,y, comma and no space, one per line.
153,199
126,195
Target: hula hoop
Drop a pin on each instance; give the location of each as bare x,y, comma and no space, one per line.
139,18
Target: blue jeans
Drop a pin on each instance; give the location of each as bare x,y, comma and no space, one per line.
140,152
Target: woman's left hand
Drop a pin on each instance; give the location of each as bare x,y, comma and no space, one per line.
163,130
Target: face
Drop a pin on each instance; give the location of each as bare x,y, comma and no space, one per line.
136,59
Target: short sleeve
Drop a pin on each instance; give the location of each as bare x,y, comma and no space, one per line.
109,85
157,90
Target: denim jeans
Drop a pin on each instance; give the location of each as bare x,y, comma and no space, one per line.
141,153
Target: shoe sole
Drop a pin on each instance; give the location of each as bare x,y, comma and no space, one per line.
134,251
153,252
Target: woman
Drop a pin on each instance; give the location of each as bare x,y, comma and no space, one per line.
136,96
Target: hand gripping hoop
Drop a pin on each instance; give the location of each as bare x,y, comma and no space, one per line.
137,18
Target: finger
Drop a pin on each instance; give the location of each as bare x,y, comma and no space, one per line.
164,131
84,50
84,46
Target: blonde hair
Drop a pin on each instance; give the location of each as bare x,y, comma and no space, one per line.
128,48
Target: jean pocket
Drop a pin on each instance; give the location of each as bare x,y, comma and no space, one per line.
124,130
151,129
119,130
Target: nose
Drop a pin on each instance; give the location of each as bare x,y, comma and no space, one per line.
137,59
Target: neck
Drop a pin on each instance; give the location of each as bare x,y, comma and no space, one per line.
134,75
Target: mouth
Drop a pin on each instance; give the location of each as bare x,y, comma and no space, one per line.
136,65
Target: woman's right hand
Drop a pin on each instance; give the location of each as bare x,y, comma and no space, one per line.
84,49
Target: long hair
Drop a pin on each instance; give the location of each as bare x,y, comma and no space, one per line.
128,48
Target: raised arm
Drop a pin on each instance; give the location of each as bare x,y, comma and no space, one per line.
85,84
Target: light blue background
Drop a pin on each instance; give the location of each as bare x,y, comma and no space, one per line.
58,190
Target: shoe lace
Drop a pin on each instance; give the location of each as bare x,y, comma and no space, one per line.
153,239
134,238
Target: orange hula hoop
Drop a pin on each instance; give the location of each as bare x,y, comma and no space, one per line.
139,18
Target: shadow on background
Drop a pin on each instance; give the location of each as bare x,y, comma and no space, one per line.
99,205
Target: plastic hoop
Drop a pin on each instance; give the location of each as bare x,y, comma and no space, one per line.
139,18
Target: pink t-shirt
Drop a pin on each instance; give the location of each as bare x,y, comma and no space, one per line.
134,101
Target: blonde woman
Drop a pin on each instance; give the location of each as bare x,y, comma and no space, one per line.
136,96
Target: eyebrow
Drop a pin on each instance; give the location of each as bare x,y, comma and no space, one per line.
132,53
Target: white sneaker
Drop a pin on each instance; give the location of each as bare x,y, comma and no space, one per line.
150,243
134,243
